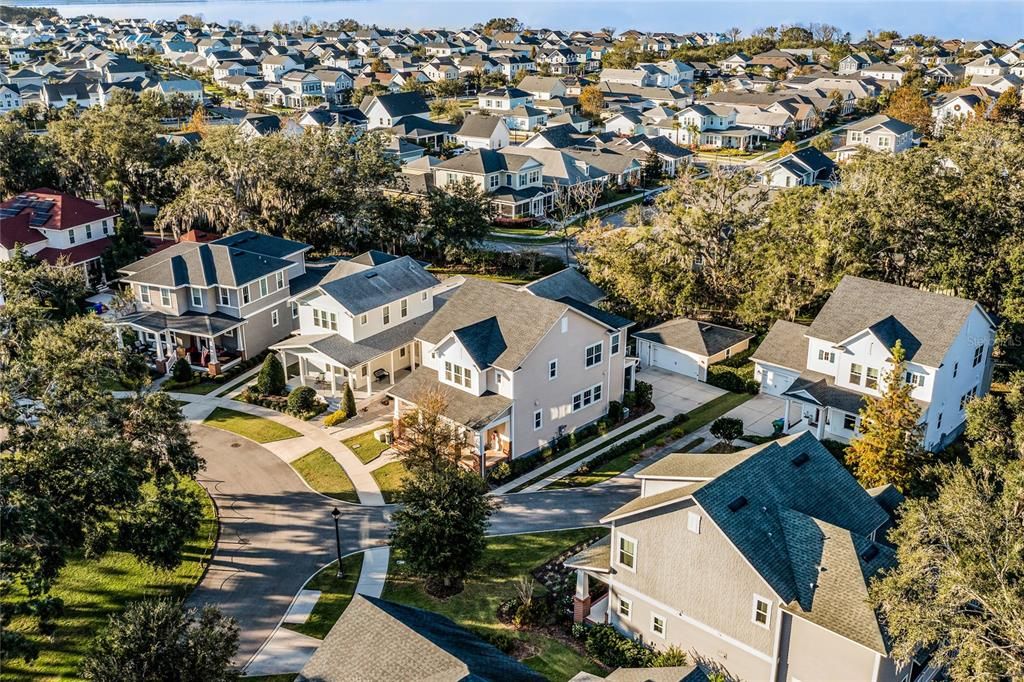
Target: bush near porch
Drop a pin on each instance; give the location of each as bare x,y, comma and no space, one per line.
305,409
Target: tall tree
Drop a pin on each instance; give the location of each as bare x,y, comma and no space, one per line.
431,442
457,217
159,641
907,104
591,100
888,447
26,160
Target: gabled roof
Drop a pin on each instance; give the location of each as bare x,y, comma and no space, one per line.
568,282
366,288
398,104
702,338
928,323
479,125
52,210
785,346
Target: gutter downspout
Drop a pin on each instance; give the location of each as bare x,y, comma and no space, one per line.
774,676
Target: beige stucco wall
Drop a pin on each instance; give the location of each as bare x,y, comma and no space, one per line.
809,652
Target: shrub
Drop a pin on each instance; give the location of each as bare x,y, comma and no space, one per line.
302,400
615,412
499,639
644,393
615,650
348,401
727,429
629,399
578,631
271,378
336,417
733,379
182,371
500,472
671,657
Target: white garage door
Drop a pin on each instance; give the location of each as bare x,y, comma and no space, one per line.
674,361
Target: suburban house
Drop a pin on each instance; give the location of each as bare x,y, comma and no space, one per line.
385,111
421,645
807,166
503,100
518,368
708,125
880,133
688,347
884,72
956,106
755,563
57,227
824,371
480,131
214,302
514,182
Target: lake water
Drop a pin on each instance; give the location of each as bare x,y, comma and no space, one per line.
970,19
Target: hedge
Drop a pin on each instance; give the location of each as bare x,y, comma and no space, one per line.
648,438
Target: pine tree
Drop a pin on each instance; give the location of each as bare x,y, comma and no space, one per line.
888,447
348,401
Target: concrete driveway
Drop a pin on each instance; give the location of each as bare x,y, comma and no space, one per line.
275,533
547,510
674,393
758,413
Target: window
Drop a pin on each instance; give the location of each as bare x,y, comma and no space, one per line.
225,298
197,296
362,319
552,369
273,318
401,352
856,372
978,353
295,310
849,422
493,181
967,397
658,625
246,296
325,320
88,231
872,380
106,227
585,398
826,356
613,344
279,280
956,366
625,608
565,324
458,375
144,293
165,297
71,236
762,611
264,287
405,307
538,420
693,522
387,314
915,379
423,296
593,354
938,422
627,552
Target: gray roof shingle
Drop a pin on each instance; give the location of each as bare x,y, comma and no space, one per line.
568,282
702,338
373,287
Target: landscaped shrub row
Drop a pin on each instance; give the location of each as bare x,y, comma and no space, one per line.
615,650
303,403
734,379
672,427
196,378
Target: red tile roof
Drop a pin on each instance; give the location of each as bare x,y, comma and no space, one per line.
76,254
68,211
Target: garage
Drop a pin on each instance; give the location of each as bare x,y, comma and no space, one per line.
688,347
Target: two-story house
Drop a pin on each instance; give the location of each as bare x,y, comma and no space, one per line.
880,133
708,125
755,563
58,228
824,371
386,111
517,368
217,302
514,182
503,100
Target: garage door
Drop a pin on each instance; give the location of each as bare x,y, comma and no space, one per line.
674,361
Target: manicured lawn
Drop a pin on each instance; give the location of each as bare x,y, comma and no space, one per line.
365,446
475,608
93,590
516,239
324,475
520,231
202,388
250,426
389,478
335,596
712,410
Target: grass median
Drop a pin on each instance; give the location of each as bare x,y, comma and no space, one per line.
259,429
365,446
335,596
323,474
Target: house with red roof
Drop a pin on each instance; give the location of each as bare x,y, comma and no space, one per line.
57,227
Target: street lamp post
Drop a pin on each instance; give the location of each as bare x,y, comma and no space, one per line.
337,536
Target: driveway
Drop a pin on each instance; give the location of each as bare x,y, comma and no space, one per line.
546,510
674,393
275,533
758,413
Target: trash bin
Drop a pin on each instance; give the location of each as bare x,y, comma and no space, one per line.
778,425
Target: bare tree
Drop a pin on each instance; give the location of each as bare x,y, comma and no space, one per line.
572,200
428,440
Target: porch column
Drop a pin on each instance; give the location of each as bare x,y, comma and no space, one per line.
391,362
120,339
785,416
334,382
821,424
160,346
581,600
481,447
302,370
283,357
212,365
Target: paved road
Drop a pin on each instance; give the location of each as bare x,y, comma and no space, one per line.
275,533
556,250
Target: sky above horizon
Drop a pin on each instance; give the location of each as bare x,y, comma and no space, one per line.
1001,20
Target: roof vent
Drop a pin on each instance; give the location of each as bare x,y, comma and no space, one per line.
870,553
737,504
371,275
800,460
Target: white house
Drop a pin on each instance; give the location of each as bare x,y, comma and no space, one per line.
386,111
483,132
824,371
880,133
689,347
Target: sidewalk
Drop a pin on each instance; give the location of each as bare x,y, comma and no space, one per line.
560,461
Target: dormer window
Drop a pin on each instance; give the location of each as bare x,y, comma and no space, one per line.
856,373
404,307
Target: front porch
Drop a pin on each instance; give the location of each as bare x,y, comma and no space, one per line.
308,366
163,341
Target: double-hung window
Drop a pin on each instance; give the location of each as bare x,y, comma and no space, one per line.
246,296
458,375
872,378
625,608
197,297
165,297
404,307
587,397
274,318
613,344
88,231
658,625
225,298
593,355
552,369
762,611
264,287
538,420
387,314
71,236
856,373
626,556
279,280
144,293
295,310
979,352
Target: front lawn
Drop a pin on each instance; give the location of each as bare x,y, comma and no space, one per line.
202,388
323,474
93,590
250,426
389,479
505,560
713,409
365,446
335,596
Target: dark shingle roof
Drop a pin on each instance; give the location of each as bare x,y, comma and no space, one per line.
470,410
400,104
785,346
702,338
191,263
375,286
568,282
417,645
483,341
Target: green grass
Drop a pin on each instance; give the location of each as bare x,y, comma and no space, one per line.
501,279
238,383
202,388
590,451
389,478
249,426
520,231
475,608
335,596
712,410
365,446
93,590
324,475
